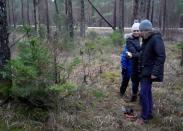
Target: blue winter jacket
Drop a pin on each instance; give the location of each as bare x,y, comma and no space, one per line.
125,62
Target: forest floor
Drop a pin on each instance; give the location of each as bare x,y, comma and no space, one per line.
102,104
97,105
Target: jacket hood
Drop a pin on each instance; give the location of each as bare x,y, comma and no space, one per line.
126,36
155,33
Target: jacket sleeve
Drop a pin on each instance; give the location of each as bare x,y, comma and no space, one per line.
121,59
159,50
124,60
132,49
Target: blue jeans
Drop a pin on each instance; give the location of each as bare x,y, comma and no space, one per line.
146,99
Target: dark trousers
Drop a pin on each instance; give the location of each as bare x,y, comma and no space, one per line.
135,85
146,99
125,80
135,77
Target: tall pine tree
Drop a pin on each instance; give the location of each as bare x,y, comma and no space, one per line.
4,49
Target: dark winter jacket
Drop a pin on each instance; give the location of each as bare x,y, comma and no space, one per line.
133,46
152,57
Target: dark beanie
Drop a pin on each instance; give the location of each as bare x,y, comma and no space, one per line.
145,25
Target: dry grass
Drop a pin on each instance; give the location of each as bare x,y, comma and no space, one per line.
96,106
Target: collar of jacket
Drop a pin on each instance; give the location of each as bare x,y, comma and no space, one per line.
148,35
135,37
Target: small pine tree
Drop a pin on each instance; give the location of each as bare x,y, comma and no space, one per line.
30,72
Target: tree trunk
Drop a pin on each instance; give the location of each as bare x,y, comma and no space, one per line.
66,7
13,13
181,21
181,62
22,12
135,10
56,7
58,13
148,9
181,25
142,10
40,7
9,12
121,18
55,60
82,26
47,20
152,12
56,74
70,19
66,16
93,20
164,16
160,15
114,15
36,15
28,15
4,49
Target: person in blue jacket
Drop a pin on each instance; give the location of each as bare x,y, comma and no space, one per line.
129,63
133,47
126,71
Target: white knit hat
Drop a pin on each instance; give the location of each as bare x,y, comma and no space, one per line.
135,26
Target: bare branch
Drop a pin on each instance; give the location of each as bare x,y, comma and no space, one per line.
101,15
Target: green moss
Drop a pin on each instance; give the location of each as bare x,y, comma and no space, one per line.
110,76
98,94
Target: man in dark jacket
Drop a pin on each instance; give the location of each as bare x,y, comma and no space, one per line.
152,60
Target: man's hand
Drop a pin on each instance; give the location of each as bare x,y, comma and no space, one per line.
153,77
129,54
